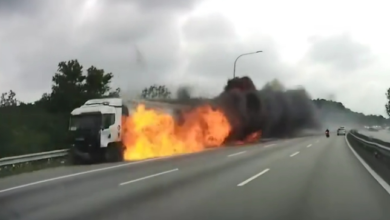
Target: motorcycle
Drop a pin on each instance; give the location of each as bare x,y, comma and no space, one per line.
327,134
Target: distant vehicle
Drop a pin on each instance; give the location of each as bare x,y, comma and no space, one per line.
327,133
373,128
341,131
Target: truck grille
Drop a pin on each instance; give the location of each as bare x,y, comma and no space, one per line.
85,141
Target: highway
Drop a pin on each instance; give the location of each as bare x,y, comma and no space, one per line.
308,178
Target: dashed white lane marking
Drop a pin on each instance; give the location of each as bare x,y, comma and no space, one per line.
78,174
232,155
309,145
253,177
371,171
270,145
294,154
148,177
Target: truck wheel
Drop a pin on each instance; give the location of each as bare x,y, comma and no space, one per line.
74,159
114,153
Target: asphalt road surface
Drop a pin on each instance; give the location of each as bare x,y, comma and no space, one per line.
383,135
310,178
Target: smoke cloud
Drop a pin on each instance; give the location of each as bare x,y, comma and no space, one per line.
275,111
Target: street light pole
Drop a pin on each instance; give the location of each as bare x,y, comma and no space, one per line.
234,70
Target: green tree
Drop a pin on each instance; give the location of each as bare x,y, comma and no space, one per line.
68,88
156,92
8,99
71,88
97,83
44,101
387,106
115,94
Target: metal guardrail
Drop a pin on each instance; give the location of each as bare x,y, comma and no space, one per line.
33,157
382,149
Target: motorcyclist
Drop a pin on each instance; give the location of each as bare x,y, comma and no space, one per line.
327,131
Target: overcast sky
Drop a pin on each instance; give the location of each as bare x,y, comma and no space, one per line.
333,48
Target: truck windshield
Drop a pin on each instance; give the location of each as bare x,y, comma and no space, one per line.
85,121
108,120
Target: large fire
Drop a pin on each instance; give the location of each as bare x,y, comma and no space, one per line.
151,133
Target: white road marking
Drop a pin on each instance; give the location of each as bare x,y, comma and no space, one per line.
148,177
270,145
371,171
309,145
232,155
253,177
88,172
294,154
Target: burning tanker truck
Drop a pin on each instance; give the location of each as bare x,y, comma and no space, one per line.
111,129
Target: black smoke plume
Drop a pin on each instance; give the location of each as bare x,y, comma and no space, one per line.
273,110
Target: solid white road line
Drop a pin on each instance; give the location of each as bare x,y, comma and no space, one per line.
371,171
309,145
253,177
294,154
76,174
270,145
232,155
148,177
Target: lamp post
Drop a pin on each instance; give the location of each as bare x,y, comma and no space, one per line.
234,71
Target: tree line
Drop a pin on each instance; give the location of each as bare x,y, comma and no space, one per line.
337,112
42,125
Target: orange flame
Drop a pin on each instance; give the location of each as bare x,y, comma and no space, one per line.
253,137
152,133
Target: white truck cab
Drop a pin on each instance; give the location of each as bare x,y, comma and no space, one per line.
96,129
